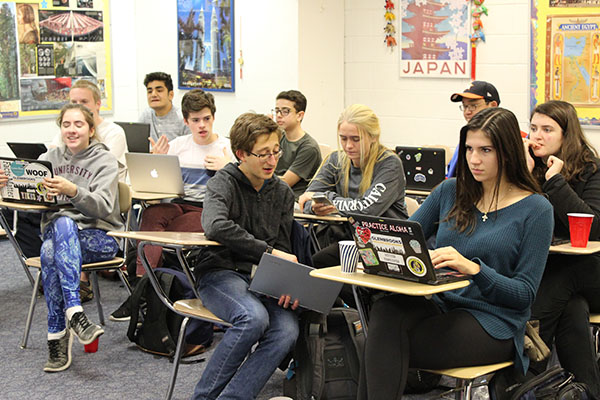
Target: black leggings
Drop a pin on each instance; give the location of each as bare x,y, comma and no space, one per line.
407,331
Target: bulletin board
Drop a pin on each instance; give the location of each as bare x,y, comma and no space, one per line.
45,47
565,55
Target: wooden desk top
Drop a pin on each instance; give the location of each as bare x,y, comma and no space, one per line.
409,288
566,248
27,207
177,238
320,218
145,196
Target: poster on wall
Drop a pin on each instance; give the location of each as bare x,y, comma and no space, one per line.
435,39
565,55
45,46
205,44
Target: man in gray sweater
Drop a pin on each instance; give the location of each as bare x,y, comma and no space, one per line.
249,211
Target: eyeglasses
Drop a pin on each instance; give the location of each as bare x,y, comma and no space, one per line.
471,107
283,111
263,157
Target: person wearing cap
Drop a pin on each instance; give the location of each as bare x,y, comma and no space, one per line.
479,96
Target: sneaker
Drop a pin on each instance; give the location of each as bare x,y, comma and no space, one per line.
85,292
123,313
85,331
59,353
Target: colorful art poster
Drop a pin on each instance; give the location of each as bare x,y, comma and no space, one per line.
9,64
573,60
574,3
435,39
205,44
565,57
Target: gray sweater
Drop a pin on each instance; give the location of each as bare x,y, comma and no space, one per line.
95,172
243,220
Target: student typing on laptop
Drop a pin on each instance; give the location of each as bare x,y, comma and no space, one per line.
364,177
85,176
490,223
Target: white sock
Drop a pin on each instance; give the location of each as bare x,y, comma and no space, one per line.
57,335
72,310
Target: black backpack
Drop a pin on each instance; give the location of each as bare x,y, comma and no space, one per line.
155,328
326,359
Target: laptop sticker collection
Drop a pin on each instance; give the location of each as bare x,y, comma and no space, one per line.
25,181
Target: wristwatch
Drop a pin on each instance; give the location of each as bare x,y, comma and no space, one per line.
269,250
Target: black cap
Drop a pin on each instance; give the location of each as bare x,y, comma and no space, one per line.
478,90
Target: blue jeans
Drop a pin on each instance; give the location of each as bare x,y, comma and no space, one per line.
229,374
63,251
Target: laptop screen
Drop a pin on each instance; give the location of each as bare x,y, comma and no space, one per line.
424,167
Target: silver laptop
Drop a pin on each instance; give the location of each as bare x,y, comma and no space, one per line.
276,276
154,173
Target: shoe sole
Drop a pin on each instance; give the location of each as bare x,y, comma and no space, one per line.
69,358
84,342
119,319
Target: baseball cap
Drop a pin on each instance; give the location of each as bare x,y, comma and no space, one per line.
478,90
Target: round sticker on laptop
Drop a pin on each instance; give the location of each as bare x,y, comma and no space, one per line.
416,266
41,189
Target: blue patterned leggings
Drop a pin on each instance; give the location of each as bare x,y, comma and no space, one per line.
64,250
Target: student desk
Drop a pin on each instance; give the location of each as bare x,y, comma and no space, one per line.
177,241
32,208
359,278
566,248
313,219
420,193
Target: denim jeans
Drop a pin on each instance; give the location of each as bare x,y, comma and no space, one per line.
255,319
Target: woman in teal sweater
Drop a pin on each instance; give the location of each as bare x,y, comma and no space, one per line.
491,224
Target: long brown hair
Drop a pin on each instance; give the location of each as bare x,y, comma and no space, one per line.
502,128
576,152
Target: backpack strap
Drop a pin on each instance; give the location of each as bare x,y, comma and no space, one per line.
135,302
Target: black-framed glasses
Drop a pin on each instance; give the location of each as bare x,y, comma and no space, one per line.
470,107
263,157
284,111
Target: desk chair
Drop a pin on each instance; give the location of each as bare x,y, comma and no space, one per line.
466,375
187,308
412,205
114,264
325,149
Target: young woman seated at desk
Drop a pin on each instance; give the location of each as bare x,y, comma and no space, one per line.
86,176
363,178
491,224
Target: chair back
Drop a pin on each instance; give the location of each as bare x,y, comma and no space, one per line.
412,205
124,198
325,149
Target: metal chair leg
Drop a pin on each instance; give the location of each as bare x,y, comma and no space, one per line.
36,286
177,358
96,289
465,392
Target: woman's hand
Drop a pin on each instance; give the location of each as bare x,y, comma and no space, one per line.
528,144
323,209
3,178
59,185
555,165
449,257
161,146
304,197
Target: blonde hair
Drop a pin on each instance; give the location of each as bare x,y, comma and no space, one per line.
91,86
367,124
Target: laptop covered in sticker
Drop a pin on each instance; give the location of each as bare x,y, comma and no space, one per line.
25,181
397,248
424,167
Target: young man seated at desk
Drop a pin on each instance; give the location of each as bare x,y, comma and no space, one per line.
200,154
249,211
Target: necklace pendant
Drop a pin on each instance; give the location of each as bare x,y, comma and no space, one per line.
484,217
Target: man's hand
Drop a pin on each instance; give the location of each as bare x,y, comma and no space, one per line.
284,255
215,163
284,301
159,147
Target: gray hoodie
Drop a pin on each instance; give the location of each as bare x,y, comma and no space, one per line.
95,172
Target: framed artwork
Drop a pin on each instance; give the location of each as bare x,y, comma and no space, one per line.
565,56
205,44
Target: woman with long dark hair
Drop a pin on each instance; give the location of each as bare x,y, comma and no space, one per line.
491,224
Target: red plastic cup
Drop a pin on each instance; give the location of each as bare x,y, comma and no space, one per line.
579,228
92,347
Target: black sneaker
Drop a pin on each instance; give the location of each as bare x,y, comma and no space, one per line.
85,331
123,313
85,292
59,353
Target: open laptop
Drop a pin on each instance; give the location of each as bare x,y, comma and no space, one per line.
137,135
25,179
276,276
398,249
424,167
30,151
154,173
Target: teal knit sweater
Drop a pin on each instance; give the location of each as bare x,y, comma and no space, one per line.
511,247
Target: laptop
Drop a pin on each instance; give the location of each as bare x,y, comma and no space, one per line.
398,249
424,167
137,135
30,151
154,173
275,276
25,179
